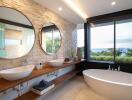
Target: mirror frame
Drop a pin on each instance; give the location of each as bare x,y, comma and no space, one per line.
1,58
40,38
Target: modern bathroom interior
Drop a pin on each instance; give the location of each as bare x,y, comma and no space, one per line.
65,49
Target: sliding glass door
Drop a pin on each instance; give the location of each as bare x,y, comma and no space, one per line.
111,41
102,42
124,41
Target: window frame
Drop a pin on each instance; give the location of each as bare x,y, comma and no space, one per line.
112,17
113,23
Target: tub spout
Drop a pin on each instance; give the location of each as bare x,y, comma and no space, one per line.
118,68
109,68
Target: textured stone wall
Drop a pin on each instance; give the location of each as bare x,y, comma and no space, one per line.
38,16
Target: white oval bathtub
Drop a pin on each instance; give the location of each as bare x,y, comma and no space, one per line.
115,85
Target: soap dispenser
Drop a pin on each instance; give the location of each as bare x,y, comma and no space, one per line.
39,66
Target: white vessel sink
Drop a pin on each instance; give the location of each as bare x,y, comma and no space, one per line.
17,73
56,63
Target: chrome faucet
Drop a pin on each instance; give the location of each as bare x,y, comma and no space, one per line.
109,68
119,68
115,69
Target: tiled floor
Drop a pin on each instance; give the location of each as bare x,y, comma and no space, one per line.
75,89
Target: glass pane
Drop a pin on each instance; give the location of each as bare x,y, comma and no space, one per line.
51,38
10,42
80,38
80,42
16,34
56,40
124,41
49,42
102,42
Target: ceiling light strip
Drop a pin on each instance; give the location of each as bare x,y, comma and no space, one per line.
76,9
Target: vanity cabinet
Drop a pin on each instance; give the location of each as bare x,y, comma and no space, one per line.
5,85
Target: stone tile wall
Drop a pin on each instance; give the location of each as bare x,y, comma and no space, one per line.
38,16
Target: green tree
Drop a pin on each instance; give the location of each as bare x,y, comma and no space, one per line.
129,52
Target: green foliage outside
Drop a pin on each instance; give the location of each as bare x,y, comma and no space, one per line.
102,58
52,46
82,51
108,55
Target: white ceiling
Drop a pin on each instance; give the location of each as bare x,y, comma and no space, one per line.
67,13
89,7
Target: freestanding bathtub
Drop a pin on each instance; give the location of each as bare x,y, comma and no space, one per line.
114,85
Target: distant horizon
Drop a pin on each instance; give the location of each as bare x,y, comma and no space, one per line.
105,49
103,36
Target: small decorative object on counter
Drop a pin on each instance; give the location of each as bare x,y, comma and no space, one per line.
71,53
39,66
67,59
76,58
79,53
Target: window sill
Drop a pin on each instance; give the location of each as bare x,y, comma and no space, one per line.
104,62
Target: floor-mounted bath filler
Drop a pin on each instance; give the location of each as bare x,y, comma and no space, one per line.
112,68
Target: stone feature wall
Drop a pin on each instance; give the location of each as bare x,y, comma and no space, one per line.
38,16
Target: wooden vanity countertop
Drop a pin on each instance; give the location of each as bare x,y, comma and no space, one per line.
5,84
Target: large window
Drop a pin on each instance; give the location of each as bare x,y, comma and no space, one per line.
80,41
102,42
111,41
80,38
124,41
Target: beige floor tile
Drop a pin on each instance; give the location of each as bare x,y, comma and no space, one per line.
74,89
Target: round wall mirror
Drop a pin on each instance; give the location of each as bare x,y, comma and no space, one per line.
16,34
50,38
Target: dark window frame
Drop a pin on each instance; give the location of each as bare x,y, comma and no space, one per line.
112,17
114,41
15,24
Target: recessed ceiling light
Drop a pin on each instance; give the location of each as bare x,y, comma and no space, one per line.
113,3
76,9
60,8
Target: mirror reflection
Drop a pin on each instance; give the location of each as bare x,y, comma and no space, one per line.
16,34
51,38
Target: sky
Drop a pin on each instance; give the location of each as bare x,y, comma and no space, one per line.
56,34
80,38
103,36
